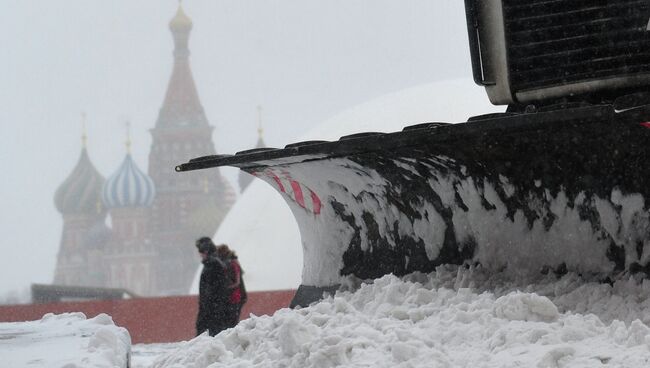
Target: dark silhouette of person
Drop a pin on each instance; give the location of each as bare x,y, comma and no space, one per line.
213,294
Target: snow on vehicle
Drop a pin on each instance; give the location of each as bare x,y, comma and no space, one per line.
558,182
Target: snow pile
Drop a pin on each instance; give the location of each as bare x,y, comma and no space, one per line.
66,340
625,300
452,317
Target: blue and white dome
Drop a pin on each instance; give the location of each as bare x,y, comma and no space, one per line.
128,187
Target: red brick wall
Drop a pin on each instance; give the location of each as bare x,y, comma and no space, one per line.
149,320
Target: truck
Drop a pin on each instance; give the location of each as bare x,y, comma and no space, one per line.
556,183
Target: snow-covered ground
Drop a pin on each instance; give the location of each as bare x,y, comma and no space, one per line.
64,341
454,317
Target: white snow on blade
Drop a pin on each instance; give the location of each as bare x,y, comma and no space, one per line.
503,240
513,243
406,164
327,236
508,188
66,340
454,317
430,228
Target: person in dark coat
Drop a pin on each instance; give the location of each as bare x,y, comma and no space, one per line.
213,293
234,284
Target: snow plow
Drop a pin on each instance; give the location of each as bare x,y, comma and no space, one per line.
556,183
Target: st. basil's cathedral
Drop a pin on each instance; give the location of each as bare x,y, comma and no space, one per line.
156,216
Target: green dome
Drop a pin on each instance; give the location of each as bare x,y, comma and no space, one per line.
81,192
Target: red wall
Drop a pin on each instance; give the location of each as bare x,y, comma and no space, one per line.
149,320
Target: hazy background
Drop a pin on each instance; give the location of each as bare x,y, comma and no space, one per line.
301,60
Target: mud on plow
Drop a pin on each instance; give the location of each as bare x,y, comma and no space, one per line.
558,183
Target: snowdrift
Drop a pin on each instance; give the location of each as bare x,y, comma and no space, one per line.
452,317
66,340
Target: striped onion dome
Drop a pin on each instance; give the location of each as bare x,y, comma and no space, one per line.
81,192
128,187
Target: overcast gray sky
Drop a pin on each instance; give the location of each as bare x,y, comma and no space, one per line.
301,60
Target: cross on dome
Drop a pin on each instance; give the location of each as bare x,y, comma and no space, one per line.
84,137
128,136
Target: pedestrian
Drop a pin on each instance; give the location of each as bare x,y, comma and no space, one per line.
213,296
237,295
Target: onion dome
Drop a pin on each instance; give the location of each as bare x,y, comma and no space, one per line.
181,22
81,192
128,187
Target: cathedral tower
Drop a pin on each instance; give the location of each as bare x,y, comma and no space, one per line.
130,256
78,199
186,207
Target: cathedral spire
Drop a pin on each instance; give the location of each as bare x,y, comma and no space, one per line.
181,106
260,130
181,25
84,136
128,137
259,122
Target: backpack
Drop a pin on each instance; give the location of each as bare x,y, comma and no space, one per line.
241,290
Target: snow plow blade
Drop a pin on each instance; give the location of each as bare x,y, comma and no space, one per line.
548,191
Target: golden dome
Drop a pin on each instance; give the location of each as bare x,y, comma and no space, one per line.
180,22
